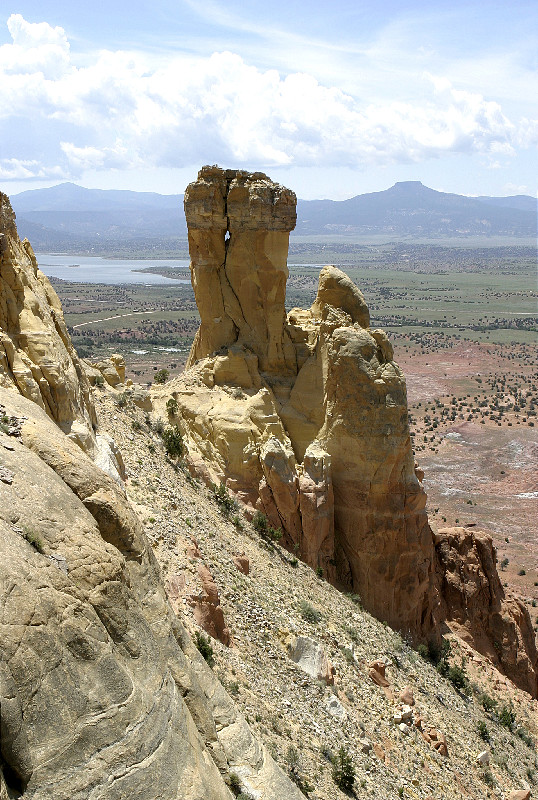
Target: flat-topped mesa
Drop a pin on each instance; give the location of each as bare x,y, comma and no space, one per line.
36,354
239,225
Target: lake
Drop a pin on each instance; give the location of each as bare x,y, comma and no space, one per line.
91,269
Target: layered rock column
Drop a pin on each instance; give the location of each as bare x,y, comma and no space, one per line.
239,225
303,416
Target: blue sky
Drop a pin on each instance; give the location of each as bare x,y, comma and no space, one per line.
331,98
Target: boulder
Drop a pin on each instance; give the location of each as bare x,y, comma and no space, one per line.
207,609
406,696
310,656
242,563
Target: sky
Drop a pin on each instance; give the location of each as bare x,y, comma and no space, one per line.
332,98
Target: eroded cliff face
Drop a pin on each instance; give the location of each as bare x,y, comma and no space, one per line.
37,357
102,693
303,416
475,604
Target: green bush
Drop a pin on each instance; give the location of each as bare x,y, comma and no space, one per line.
488,703
99,380
343,771
309,613
122,400
204,647
261,525
483,731
172,407
161,376
226,502
173,442
488,778
506,717
525,737
458,677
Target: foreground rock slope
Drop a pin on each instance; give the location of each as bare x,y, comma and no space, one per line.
102,693
306,661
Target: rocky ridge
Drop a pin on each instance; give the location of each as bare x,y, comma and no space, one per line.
102,691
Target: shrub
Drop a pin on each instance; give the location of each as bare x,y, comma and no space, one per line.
122,400
458,677
488,703
225,501
173,442
99,381
319,572
483,731
172,407
309,613
506,717
259,522
158,427
343,771
204,647
235,784
261,525
525,737
161,376
487,777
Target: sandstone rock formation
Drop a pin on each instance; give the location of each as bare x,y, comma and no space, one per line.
36,354
303,416
475,604
102,692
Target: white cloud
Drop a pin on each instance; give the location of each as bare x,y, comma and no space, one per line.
12,169
120,111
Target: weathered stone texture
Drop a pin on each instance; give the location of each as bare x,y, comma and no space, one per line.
36,354
303,416
102,693
493,621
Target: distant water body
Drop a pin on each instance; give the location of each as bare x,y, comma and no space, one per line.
90,269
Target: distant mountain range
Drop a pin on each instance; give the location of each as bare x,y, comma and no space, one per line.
67,216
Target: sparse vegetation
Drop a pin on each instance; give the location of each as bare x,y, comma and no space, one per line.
309,613
488,703
172,407
173,442
204,647
225,501
506,717
483,732
161,376
343,771
34,539
260,524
